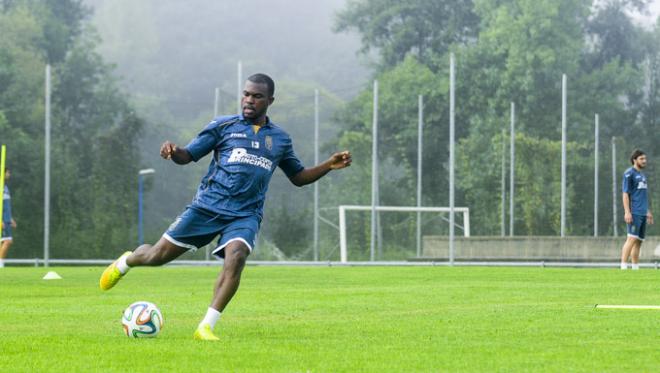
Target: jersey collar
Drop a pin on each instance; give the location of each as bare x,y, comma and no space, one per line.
267,124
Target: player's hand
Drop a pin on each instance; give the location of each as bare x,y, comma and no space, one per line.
340,160
167,149
628,218
13,223
649,217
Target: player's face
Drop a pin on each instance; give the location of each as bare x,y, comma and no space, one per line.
641,161
7,174
255,100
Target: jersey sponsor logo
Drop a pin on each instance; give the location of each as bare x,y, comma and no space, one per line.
242,135
642,185
240,155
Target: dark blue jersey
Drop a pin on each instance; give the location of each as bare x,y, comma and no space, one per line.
636,185
6,205
242,164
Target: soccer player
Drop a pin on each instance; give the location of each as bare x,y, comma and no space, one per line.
636,208
7,221
229,201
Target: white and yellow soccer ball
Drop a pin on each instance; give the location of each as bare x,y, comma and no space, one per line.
142,320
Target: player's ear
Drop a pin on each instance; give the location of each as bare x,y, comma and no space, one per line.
271,99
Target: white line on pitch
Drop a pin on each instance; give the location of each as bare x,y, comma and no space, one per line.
629,307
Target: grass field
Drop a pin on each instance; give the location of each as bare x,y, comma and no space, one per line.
298,319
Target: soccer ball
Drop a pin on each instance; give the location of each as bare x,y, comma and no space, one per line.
142,320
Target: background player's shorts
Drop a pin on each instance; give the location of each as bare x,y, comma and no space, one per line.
638,227
6,232
195,228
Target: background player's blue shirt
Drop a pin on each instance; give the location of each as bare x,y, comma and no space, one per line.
6,205
636,185
242,165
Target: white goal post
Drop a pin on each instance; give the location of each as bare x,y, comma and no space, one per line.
343,249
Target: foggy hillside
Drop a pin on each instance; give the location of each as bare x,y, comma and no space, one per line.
170,57
183,50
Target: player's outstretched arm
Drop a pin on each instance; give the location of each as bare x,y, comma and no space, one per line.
178,155
335,162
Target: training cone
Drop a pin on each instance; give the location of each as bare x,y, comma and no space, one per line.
52,276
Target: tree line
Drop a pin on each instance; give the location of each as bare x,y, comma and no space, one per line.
94,159
506,51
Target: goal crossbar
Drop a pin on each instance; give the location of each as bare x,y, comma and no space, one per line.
343,249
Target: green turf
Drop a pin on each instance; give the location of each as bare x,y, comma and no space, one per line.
298,319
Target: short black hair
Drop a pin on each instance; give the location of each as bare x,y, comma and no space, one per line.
636,154
263,79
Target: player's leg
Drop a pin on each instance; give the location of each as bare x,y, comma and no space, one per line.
633,236
634,254
146,255
238,237
625,251
189,231
5,241
161,253
640,224
236,253
4,247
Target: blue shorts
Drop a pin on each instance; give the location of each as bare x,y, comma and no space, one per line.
638,227
6,232
195,228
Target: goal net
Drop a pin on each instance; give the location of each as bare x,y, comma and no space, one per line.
408,232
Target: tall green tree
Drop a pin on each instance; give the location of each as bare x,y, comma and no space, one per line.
517,54
94,132
423,28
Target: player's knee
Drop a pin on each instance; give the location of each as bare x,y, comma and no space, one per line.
235,259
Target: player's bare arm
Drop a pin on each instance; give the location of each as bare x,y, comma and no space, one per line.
337,161
178,155
627,216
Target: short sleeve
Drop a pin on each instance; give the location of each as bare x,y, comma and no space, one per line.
627,182
290,163
205,141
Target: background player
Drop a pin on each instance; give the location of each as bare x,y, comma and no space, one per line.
636,208
7,221
229,201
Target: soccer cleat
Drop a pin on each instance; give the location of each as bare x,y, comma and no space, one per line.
204,333
111,275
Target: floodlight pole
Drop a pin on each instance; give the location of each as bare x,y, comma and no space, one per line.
503,186
239,85
563,155
452,80
216,102
512,170
3,156
47,172
316,185
374,171
420,124
614,212
596,140
141,175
